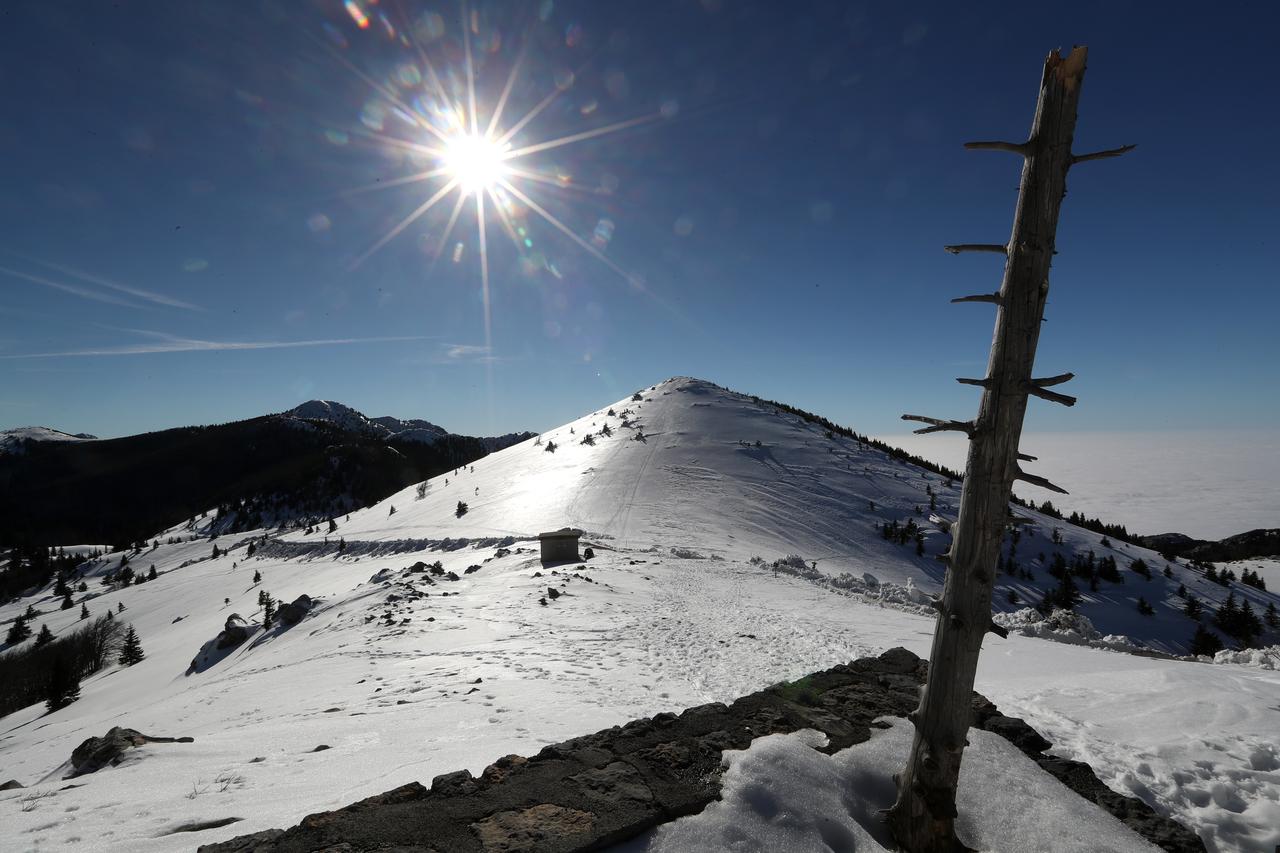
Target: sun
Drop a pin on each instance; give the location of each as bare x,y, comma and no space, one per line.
475,161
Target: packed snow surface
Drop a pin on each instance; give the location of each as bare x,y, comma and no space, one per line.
721,566
782,794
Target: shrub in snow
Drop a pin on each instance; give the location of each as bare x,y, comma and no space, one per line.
63,685
461,509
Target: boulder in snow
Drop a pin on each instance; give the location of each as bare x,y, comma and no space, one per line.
234,632
96,753
292,613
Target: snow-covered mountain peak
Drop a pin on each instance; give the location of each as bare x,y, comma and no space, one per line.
336,413
12,440
341,415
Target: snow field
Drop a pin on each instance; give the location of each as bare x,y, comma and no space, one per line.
675,614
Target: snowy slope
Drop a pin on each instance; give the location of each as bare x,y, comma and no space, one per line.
384,671
699,480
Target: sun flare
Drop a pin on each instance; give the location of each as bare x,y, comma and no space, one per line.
475,162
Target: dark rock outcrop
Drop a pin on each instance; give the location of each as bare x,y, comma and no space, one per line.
96,753
234,632
11,785
591,792
292,613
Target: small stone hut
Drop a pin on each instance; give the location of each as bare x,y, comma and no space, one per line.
560,545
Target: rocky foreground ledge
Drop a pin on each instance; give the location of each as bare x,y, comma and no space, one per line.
594,791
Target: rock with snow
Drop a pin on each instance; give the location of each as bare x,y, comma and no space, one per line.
292,613
234,632
109,750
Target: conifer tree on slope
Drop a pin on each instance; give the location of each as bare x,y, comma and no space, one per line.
131,652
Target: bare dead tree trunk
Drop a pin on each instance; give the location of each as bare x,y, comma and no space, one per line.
923,818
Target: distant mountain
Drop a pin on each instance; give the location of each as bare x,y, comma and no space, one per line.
16,440
316,460
385,428
1243,546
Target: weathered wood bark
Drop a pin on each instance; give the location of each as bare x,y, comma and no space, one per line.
922,819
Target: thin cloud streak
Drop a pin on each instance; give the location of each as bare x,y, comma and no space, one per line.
173,344
148,295
70,288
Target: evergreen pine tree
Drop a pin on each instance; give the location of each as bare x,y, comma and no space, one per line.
63,686
1273,620
268,612
333,525
84,611
60,587
1205,642
131,652
45,637
1250,624
151,575
18,631
119,606
67,603
257,576
1228,615
1144,607
1066,596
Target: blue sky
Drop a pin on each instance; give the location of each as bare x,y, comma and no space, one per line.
179,242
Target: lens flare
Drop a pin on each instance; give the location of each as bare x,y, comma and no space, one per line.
475,162
427,115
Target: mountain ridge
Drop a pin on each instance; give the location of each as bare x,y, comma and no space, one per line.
258,469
